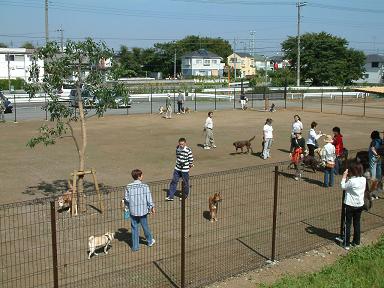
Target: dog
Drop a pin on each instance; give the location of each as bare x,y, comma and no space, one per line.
66,198
162,110
244,143
310,162
213,203
95,242
186,110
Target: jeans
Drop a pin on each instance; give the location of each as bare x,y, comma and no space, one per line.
135,222
328,176
267,147
176,176
352,213
375,168
179,106
338,166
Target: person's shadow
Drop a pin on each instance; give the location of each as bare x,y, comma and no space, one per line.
123,235
321,232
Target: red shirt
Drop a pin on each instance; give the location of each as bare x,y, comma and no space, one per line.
338,143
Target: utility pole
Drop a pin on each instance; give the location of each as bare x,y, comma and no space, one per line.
299,5
46,22
174,67
266,71
234,54
252,48
9,74
61,38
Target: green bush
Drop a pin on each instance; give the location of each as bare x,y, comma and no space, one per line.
18,84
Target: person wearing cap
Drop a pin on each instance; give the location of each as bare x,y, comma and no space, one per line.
297,151
328,158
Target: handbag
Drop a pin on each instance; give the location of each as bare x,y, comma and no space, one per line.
330,164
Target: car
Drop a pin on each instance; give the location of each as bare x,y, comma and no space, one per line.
121,103
88,99
8,104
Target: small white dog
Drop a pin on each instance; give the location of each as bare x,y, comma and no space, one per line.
95,242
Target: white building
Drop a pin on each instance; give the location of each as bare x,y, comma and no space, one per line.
202,63
19,60
374,69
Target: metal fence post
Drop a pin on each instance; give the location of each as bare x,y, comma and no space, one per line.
253,90
285,94
215,99
129,93
342,101
151,99
321,100
302,101
195,99
234,97
182,260
14,103
275,190
174,100
54,246
365,99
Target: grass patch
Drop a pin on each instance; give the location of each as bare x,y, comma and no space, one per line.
362,267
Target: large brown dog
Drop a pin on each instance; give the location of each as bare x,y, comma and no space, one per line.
213,203
244,143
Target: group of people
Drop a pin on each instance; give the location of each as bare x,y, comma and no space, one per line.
180,105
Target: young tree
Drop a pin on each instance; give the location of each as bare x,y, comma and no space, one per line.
325,59
80,64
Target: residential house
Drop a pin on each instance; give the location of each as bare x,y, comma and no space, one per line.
202,63
15,63
278,62
261,62
243,62
374,69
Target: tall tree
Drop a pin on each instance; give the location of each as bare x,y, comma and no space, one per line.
27,45
3,45
325,59
82,65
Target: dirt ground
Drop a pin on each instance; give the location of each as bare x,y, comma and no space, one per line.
117,144
308,262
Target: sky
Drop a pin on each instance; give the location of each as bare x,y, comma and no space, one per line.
141,23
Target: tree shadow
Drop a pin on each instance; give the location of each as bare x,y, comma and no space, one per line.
58,187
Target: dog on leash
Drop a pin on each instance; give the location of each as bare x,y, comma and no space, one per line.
213,202
162,110
66,199
95,242
244,143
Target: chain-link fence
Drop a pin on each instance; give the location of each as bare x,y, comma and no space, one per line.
264,214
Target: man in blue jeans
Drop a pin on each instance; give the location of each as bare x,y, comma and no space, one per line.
139,200
184,161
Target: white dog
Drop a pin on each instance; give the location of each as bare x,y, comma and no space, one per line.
95,242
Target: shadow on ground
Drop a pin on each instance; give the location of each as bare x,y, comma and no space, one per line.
58,187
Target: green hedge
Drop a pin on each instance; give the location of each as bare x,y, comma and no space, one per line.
18,84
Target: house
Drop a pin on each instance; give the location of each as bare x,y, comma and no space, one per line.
374,69
260,62
15,63
243,62
278,62
202,63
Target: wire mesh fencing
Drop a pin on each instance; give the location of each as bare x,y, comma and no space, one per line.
231,222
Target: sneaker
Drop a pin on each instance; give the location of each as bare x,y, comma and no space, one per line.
152,243
296,178
207,147
213,146
339,239
355,245
168,199
347,248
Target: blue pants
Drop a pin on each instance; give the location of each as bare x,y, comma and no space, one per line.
135,222
176,176
375,168
328,176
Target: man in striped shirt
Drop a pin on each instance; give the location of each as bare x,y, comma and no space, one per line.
184,161
139,200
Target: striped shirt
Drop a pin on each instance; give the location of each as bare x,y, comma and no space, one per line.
184,159
139,198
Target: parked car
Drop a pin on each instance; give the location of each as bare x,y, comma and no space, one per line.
8,104
121,103
87,97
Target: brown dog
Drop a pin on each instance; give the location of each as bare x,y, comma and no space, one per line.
213,203
244,143
66,198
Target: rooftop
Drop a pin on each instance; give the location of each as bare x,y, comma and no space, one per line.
201,53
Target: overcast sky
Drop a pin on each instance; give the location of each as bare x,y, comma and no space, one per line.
140,23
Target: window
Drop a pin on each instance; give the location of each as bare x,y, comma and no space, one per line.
375,64
365,76
187,61
19,58
199,61
214,61
9,57
207,62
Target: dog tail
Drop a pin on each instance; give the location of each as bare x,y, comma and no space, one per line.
251,138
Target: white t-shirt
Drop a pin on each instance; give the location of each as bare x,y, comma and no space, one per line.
296,126
208,123
329,153
268,129
354,191
312,137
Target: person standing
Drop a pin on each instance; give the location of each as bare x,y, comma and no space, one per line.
208,129
328,157
296,125
374,157
2,107
354,184
267,138
138,198
184,162
180,101
243,101
168,106
313,136
339,148
297,151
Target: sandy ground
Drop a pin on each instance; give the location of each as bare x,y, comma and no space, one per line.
117,144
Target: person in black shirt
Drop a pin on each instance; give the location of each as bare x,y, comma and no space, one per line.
297,151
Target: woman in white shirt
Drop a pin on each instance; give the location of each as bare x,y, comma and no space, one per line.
354,185
312,139
328,158
296,125
267,138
